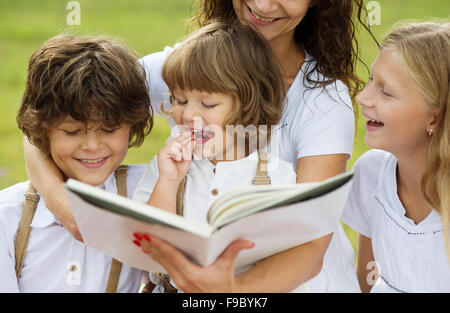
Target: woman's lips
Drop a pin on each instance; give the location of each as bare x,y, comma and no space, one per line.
256,19
93,163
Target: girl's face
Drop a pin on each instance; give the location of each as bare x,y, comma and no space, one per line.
398,116
273,19
204,114
89,156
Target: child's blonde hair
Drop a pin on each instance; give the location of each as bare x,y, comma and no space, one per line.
423,49
232,59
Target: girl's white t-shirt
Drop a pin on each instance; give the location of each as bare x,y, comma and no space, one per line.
410,257
315,121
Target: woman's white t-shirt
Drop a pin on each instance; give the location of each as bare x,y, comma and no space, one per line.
315,121
410,257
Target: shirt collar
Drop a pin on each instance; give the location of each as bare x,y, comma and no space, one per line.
43,217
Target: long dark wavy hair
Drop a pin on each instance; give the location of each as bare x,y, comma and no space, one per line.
327,33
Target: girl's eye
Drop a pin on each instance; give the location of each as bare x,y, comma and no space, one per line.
209,106
180,101
71,133
386,93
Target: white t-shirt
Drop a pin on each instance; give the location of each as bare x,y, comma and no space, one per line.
55,261
204,185
410,257
314,122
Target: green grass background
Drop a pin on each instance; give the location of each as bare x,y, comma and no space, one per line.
146,26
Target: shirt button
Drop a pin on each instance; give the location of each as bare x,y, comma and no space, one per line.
214,192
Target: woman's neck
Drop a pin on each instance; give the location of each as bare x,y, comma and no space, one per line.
289,54
410,170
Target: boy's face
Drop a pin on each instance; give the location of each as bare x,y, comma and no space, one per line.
91,155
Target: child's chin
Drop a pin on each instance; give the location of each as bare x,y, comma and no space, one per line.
93,179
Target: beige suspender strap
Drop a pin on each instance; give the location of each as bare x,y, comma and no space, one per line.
180,195
116,266
24,229
261,177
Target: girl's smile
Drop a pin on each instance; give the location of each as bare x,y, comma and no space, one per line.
204,114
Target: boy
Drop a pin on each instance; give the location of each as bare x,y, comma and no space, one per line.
85,102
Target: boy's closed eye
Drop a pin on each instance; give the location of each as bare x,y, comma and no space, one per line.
71,132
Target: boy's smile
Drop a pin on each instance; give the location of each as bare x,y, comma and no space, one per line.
90,155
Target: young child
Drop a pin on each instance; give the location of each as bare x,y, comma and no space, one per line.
221,77
400,202
85,103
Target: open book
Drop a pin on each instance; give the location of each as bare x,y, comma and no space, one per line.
274,217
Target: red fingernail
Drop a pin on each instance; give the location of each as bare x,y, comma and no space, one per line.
137,236
146,237
137,243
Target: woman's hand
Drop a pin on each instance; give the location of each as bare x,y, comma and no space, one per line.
174,159
189,277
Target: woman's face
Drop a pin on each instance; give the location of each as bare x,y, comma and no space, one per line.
273,19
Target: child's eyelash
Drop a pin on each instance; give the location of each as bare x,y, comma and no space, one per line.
209,106
110,131
71,133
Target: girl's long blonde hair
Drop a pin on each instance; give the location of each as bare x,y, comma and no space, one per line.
424,48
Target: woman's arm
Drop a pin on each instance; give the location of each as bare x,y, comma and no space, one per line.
48,180
366,268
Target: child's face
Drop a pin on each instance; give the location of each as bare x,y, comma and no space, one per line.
397,114
204,114
88,156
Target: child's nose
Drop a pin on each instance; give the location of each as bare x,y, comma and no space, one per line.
364,97
91,140
190,114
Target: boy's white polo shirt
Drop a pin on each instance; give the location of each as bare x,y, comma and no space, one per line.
55,261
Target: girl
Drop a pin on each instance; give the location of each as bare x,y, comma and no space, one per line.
219,78
317,125
400,203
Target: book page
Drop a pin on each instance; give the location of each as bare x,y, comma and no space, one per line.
112,234
282,228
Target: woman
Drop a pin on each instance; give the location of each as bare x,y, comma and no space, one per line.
314,42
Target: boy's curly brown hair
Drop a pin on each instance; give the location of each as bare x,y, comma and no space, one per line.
94,80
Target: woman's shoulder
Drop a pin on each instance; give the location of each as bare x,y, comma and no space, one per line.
156,59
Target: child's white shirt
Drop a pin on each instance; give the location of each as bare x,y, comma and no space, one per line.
316,121
54,260
204,185
411,257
